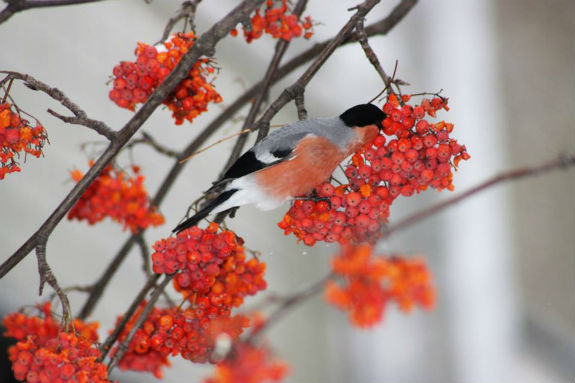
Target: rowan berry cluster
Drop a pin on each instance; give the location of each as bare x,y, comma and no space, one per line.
342,216
277,21
175,331
118,195
213,272
409,155
371,282
135,81
45,354
248,363
17,136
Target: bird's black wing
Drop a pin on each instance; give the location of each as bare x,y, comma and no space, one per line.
273,149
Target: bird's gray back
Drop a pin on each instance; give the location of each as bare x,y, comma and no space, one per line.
287,137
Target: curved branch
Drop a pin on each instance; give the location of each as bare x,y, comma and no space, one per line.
80,117
187,10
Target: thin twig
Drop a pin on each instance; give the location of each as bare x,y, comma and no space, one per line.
79,118
559,163
187,10
7,90
371,56
151,141
46,275
244,131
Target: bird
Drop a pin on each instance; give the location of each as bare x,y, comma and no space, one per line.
292,161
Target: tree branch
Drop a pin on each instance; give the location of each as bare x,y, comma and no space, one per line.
15,6
187,10
294,300
151,141
79,118
371,56
300,105
562,162
46,275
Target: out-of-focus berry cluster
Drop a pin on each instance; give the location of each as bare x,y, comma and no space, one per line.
278,21
410,155
371,282
248,363
135,81
43,353
118,195
17,137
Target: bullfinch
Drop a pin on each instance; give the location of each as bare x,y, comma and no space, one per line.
292,161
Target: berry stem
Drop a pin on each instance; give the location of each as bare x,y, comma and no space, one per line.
187,11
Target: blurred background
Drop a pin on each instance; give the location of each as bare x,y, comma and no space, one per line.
503,261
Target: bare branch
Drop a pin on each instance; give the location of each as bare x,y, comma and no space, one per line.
214,144
187,10
287,304
562,162
46,275
151,141
300,105
15,6
145,253
371,56
79,118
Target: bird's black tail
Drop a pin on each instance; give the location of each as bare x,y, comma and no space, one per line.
203,213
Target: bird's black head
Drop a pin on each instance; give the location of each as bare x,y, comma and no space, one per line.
363,115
